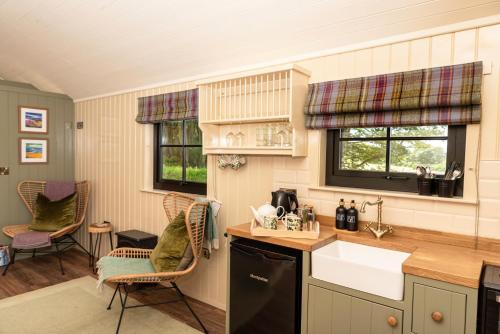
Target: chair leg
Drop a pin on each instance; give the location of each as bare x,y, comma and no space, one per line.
91,260
34,252
99,236
183,298
78,244
124,303
111,240
12,259
59,256
114,295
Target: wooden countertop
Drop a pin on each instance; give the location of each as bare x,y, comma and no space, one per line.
441,257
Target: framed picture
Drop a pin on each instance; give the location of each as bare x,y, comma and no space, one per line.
33,151
33,120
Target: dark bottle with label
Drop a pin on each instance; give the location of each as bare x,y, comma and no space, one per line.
352,217
340,216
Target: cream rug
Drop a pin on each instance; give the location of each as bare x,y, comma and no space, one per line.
77,307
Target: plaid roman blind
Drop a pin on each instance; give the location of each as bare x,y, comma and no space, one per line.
168,107
448,95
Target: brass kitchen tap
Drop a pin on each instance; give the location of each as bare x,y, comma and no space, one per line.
379,232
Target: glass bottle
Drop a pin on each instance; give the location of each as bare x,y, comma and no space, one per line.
352,217
340,216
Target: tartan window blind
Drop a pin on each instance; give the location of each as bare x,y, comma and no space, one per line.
448,95
168,107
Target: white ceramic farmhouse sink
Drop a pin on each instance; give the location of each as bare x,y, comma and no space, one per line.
369,269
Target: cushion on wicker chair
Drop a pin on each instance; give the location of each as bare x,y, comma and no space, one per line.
186,259
170,250
31,240
51,216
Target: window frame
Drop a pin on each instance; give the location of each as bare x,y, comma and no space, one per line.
392,181
174,185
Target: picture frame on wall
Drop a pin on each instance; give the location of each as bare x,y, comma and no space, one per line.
33,151
33,120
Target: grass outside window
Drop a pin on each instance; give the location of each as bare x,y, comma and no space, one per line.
179,161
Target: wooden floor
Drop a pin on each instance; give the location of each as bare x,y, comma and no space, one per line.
35,273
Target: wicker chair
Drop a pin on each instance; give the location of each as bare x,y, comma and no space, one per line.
28,191
196,214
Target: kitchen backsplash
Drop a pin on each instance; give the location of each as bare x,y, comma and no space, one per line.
421,213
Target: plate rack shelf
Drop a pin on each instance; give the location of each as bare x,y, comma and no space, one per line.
255,113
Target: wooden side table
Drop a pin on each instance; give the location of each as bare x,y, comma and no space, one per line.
95,249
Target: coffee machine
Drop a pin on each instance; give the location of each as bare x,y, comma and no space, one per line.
286,198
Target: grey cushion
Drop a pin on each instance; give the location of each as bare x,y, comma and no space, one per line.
186,259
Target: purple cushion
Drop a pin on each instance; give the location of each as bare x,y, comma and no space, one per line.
30,240
57,190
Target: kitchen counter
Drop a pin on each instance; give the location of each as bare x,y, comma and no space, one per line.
440,257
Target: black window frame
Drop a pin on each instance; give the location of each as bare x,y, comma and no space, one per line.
174,185
392,181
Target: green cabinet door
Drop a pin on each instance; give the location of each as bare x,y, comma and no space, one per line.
437,311
319,310
331,312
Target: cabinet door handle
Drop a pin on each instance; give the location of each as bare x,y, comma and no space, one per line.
392,321
437,316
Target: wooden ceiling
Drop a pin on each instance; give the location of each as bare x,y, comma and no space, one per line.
90,47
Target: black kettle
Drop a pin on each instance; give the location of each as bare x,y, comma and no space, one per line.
285,198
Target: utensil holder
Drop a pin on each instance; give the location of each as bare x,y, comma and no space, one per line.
446,188
424,186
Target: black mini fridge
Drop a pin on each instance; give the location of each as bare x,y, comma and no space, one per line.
265,288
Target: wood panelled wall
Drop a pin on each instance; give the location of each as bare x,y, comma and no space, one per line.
112,155
61,146
112,149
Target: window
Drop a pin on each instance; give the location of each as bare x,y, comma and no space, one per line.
178,159
386,158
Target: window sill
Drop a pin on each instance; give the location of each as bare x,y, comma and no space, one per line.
164,192
155,191
399,194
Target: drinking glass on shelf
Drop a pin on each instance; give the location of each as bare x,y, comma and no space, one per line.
288,135
240,139
279,137
260,137
269,135
230,139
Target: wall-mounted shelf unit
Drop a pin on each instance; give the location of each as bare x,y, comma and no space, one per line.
258,112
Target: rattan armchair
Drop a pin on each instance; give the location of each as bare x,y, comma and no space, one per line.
28,191
196,215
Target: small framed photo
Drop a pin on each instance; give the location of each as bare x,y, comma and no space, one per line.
33,120
33,151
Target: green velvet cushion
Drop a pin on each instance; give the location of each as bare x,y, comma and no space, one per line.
51,216
170,250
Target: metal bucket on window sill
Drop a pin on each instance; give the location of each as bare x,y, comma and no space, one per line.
425,186
446,188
